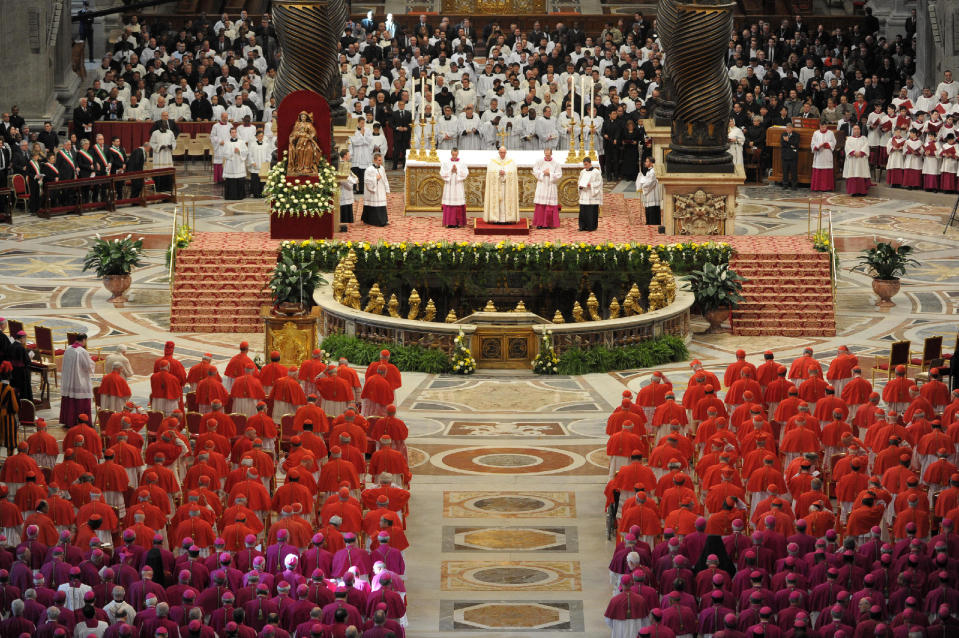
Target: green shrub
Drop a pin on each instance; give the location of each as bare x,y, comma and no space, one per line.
648,354
407,358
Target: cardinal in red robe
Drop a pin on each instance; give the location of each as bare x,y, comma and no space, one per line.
237,365
272,371
174,367
286,395
896,392
201,371
392,372
114,390
309,370
208,390
377,393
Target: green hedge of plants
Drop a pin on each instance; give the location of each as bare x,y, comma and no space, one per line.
406,358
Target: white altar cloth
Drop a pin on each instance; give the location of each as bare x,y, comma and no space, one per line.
523,159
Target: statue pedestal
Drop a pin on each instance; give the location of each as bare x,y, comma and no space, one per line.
661,137
294,338
699,203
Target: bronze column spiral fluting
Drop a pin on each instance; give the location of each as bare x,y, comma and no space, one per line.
703,96
309,32
666,16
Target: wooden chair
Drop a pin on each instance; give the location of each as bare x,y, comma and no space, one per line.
45,348
14,326
103,417
196,150
21,192
931,350
193,419
286,432
191,402
899,355
154,419
752,161
27,414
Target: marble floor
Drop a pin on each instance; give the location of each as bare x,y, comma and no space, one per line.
507,525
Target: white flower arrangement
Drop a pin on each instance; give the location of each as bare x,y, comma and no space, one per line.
299,198
462,358
546,362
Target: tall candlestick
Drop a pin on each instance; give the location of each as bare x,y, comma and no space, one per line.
582,97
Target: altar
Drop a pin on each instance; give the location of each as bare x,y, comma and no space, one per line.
424,188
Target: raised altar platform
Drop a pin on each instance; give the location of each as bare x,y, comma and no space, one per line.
485,228
424,188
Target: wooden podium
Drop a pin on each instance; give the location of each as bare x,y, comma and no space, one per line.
773,133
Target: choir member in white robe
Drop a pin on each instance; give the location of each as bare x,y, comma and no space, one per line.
346,190
874,133
469,137
246,132
590,195
422,132
895,159
258,159
219,135
454,174
886,125
234,167
447,130
912,167
547,135
501,196
930,164
493,111
527,131
374,199
856,168
378,139
514,129
567,118
736,141
489,133
823,144
547,172
949,162
163,142
76,384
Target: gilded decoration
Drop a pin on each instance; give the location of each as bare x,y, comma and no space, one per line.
293,339
494,7
304,151
424,189
700,213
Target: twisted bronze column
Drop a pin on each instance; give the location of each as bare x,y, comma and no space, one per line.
308,32
703,96
666,16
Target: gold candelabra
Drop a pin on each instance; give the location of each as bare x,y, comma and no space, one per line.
572,156
414,148
433,157
592,151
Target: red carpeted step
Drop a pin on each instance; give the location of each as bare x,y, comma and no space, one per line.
481,227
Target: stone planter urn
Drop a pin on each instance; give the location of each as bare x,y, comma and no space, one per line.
886,289
716,317
117,285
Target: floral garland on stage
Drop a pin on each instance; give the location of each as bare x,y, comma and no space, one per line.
301,197
462,358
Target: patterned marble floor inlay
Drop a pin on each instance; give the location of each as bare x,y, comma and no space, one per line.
505,428
508,461
519,575
493,396
511,615
505,504
516,539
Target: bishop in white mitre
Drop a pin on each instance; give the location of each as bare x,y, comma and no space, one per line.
501,201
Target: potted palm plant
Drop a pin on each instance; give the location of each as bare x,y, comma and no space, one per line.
717,291
113,260
886,264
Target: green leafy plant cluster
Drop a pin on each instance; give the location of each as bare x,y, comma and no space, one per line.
301,197
647,354
114,257
296,274
887,262
715,286
406,358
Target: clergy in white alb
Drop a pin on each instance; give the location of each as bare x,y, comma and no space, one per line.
856,168
823,144
527,131
470,138
163,142
454,174
547,135
447,130
501,196
346,193
547,172
258,157
361,149
736,141
234,167
590,195
76,384
219,135
374,198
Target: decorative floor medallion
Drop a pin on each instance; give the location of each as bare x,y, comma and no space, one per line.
510,539
509,504
510,576
511,615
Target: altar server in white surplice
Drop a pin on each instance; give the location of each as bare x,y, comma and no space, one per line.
590,196
454,174
527,131
501,201
361,150
855,170
447,130
219,135
470,138
823,144
258,162
234,167
374,199
547,134
547,172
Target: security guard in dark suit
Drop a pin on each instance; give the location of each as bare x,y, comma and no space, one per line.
789,147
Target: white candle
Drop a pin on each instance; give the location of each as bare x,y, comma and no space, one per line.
592,86
422,96
582,97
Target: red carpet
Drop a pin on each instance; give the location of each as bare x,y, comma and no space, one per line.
221,278
484,228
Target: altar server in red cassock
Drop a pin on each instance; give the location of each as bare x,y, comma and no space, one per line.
208,390
174,367
114,391
237,365
393,374
200,371
377,392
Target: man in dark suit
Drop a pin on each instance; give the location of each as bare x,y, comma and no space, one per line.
48,137
117,158
6,158
400,122
86,166
789,148
83,118
136,162
21,157
16,120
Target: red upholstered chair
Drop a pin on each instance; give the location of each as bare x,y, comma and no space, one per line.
193,419
27,414
191,402
21,192
931,350
899,354
45,348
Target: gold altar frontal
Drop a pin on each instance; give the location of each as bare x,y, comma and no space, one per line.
424,188
294,337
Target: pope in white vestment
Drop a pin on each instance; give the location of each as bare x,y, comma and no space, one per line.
501,200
